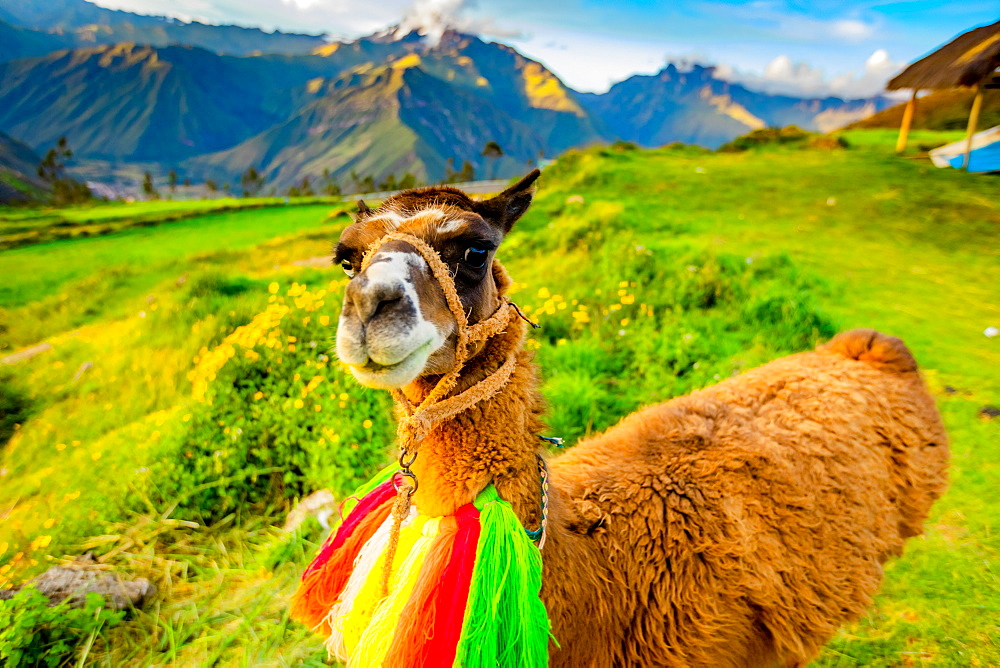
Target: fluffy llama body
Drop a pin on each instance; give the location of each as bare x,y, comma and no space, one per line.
740,525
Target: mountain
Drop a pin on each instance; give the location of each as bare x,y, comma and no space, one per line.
18,42
18,165
143,104
389,103
80,24
692,106
429,105
941,110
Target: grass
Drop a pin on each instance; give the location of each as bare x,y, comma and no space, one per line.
22,226
67,284
679,267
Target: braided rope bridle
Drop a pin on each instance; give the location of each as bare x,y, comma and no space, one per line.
436,407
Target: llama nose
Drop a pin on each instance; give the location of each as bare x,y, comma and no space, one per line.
371,298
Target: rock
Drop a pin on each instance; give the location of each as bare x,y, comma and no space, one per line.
989,412
74,581
321,505
27,353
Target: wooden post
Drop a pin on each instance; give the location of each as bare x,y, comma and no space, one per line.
904,129
977,104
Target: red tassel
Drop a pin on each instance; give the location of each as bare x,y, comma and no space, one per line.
322,583
371,500
430,624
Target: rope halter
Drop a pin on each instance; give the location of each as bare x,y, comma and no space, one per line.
417,420
437,407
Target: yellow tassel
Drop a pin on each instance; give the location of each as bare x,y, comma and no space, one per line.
369,595
368,561
414,544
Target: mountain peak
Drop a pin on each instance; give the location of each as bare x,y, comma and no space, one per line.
432,19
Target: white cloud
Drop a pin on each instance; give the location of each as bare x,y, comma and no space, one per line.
432,18
784,77
852,29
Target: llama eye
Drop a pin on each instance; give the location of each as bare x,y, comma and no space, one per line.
348,268
476,257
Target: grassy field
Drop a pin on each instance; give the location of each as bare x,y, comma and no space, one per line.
187,398
21,226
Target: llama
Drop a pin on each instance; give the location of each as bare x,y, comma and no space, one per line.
740,525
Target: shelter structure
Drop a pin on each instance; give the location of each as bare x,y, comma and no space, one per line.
970,60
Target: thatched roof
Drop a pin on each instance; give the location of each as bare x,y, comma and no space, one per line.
964,61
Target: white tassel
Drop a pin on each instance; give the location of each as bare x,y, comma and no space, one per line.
363,564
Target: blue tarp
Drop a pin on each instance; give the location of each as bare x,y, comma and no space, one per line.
984,157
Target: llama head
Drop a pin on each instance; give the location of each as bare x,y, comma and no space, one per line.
396,325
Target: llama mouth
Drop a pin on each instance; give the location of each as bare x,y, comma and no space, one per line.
396,374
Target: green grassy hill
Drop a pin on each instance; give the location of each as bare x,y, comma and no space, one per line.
18,178
188,397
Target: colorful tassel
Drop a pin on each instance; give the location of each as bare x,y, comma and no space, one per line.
506,623
463,590
323,581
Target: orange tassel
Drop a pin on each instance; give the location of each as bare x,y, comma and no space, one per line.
321,587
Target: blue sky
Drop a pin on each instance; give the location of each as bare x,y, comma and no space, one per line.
846,48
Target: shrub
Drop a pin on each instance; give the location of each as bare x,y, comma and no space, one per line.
15,408
659,322
764,136
35,633
274,417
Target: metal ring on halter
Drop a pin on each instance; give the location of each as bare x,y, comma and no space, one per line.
406,474
406,464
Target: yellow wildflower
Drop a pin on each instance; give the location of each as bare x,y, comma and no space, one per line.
40,542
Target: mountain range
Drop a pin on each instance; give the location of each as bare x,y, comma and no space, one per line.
134,93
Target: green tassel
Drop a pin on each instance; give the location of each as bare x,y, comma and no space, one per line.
506,624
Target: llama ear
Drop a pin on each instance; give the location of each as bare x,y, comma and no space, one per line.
503,210
363,209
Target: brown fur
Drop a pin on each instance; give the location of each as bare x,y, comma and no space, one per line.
740,525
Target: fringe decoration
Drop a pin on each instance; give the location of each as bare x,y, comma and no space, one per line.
431,623
363,593
326,577
463,589
378,636
506,624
